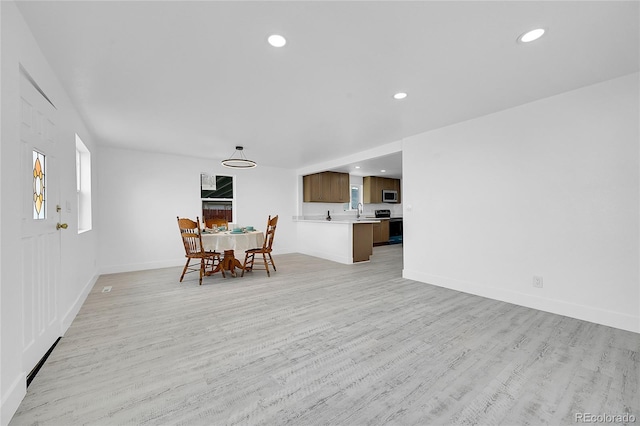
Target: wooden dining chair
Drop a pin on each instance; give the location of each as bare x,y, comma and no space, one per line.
265,250
191,234
216,222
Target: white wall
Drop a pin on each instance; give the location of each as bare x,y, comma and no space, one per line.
142,193
549,188
78,271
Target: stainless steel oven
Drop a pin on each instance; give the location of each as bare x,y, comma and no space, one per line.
395,230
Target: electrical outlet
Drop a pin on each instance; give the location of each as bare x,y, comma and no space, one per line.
106,289
537,281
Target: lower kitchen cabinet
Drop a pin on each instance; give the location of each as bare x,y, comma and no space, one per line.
362,241
381,232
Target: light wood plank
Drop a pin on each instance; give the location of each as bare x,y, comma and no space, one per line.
324,343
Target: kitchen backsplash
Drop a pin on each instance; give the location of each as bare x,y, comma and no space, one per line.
320,209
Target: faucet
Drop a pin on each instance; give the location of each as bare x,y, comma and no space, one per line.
359,206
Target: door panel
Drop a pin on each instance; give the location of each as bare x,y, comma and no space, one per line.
40,242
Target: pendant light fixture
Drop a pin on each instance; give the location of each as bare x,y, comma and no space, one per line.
239,162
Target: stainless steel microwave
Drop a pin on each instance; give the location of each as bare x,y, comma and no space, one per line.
389,196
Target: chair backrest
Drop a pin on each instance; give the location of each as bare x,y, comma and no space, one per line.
191,235
270,232
215,222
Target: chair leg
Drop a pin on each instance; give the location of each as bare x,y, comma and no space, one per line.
202,268
272,264
266,265
184,271
244,265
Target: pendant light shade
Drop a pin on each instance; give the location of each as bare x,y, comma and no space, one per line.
239,161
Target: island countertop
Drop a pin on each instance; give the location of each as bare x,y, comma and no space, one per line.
344,240
337,220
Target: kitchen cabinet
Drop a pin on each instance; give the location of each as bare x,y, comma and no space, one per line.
374,185
315,187
396,187
340,187
362,242
381,232
326,187
371,190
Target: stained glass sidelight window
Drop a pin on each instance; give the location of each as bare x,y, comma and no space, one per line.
39,186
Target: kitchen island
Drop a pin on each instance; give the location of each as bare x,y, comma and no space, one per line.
340,240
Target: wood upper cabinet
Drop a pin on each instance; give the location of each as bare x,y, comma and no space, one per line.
326,187
315,187
340,187
396,186
370,191
374,185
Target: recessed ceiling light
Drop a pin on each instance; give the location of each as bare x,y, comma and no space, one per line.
357,167
531,35
277,40
400,95
382,171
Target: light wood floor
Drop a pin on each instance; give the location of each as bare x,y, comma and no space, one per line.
320,343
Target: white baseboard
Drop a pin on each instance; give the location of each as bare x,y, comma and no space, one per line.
70,315
283,250
554,306
131,267
328,256
12,398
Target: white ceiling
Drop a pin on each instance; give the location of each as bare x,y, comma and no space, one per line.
391,164
199,77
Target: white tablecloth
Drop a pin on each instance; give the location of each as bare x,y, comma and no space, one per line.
227,241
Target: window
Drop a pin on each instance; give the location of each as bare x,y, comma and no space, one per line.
355,197
217,194
83,185
39,186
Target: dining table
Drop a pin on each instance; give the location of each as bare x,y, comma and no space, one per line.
230,242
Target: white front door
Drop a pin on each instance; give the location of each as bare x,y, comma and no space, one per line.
40,243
